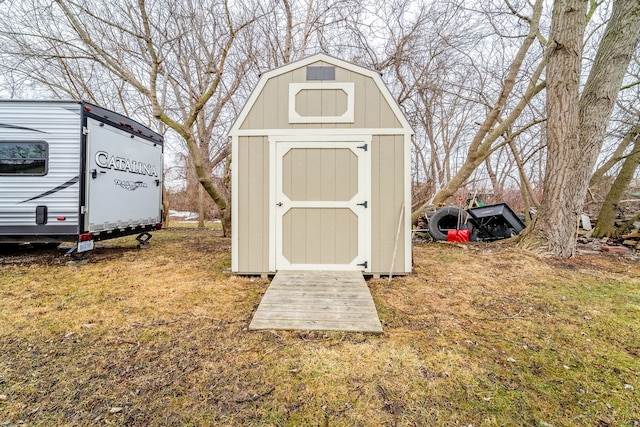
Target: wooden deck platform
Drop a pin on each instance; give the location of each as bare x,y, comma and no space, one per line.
318,300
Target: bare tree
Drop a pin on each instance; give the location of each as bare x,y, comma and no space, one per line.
605,225
172,58
577,123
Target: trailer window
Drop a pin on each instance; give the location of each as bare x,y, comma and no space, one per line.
23,158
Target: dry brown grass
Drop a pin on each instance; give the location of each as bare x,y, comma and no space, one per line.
485,335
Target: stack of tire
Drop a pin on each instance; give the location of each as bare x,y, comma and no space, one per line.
445,219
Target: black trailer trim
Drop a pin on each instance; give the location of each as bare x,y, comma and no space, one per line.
6,126
121,122
82,195
121,232
65,233
29,232
60,187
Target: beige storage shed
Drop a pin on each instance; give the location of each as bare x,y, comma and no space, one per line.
321,173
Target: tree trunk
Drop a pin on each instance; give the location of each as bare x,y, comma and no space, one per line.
614,54
576,126
225,219
528,196
493,177
200,206
555,225
617,156
605,226
165,204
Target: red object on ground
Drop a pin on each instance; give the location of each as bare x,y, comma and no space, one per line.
458,236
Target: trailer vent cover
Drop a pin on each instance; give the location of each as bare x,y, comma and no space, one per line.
321,73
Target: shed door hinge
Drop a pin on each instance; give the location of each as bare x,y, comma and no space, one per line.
364,147
364,264
365,204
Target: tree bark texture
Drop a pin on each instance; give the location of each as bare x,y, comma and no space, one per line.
555,225
576,125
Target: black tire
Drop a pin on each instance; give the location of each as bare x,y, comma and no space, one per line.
511,232
445,219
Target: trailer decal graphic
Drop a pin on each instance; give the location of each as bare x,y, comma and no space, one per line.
130,185
6,126
105,161
60,187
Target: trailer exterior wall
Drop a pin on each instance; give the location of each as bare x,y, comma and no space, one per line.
127,192
59,126
102,174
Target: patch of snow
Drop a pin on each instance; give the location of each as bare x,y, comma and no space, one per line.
188,216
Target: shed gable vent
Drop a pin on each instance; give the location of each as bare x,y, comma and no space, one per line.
321,73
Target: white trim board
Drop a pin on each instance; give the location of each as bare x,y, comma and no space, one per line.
325,131
364,191
346,117
408,249
234,205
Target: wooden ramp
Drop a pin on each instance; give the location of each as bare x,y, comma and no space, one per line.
318,300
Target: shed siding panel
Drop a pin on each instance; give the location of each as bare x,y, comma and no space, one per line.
256,119
319,174
253,204
320,236
369,103
321,102
359,112
271,96
387,196
271,110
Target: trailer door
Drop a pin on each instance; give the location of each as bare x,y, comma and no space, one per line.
123,179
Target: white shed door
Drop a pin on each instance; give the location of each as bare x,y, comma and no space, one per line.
322,206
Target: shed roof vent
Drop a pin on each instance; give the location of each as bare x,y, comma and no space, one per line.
321,73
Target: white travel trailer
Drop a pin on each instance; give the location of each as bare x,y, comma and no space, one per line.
73,171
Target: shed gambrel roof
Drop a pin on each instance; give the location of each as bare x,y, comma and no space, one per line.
326,59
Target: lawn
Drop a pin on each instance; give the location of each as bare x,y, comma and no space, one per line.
480,335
